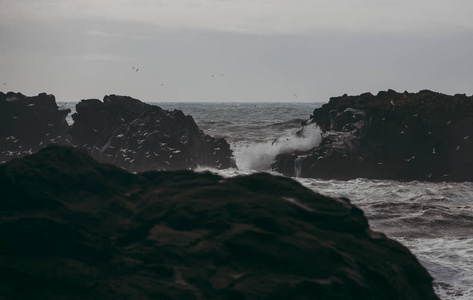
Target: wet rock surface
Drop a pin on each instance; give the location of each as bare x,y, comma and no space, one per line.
119,130
403,136
72,228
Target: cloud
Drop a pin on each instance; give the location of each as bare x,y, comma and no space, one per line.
261,16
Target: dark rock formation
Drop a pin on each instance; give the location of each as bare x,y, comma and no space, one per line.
120,130
138,137
28,124
72,228
419,136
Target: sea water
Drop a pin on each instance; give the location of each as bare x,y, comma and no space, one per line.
433,220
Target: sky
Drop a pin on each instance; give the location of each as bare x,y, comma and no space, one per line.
239,51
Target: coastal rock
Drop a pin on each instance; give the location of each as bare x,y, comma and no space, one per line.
28,124
120,130
403,136
73,228
139,137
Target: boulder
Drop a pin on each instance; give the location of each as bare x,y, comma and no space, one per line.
138,137
73,228
28,124
120,130
403,136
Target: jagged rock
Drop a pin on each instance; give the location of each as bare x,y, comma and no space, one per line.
72,228
138,136
120,130
28,124
404,136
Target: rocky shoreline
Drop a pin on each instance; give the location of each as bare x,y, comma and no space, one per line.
424,136
74,228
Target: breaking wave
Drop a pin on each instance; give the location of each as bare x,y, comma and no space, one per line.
260,155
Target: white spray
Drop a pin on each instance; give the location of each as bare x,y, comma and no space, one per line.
260,156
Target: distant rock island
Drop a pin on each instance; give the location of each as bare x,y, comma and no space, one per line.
74,228
424,136
119,130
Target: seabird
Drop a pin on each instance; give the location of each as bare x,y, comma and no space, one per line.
392,102
458,147
428,176
449,121
433,151
466,137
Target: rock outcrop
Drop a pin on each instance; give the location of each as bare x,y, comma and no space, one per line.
28,124
72,228
120,130
139,137
404,136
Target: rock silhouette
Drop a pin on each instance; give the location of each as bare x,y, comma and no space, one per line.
73,228
120,130
28,124
404,136
140,137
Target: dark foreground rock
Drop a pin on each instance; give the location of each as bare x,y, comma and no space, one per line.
28,124
404,136
71,228
120,130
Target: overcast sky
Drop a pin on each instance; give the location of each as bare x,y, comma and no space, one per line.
234,50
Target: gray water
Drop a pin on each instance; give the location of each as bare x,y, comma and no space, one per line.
434,220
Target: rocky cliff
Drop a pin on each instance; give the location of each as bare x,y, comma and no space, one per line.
405,136
72,228
119,130
28,124
139,137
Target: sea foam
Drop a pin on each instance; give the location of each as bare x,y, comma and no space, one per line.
260,156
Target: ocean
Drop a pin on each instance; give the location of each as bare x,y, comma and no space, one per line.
433,220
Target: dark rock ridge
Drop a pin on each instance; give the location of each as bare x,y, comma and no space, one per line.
28,124
73,228
120,130
139,137
404,136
